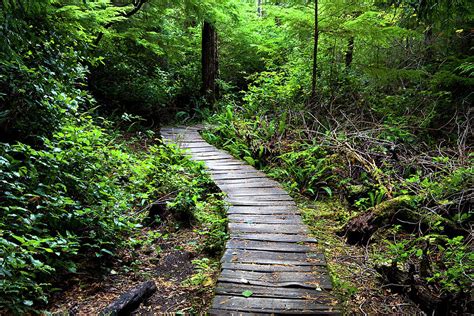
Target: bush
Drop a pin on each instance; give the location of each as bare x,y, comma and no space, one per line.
75,199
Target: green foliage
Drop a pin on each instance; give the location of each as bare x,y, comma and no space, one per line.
211,216
76,197
43,62
448,259
305,168
204,268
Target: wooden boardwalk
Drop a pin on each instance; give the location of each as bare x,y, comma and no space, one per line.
269,252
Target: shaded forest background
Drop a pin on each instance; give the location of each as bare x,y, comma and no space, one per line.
376,123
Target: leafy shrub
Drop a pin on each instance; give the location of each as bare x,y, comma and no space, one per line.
306,168
38,88
75,199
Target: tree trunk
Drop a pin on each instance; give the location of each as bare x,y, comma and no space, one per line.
259,8
350,52
428,41
360,228
209,62
315,52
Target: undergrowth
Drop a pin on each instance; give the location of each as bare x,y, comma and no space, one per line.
416,207
72,202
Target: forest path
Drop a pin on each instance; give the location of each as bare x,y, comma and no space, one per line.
269,257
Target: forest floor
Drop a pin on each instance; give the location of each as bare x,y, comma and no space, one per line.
355,280
168,257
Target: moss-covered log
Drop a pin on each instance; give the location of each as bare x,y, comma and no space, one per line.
362,226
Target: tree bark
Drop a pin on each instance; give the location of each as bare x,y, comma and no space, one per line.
428,42
360,228
350,52
315,52
259,8
210,65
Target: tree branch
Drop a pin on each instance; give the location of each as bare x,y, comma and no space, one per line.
138,4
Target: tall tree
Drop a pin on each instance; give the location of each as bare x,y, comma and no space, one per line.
350,52
209,62
259,8
315,52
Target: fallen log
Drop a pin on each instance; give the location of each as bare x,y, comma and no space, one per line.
130,300
361,227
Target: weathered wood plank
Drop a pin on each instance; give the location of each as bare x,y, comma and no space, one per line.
270,257
208,158
270,305
267,228
237,175
223,163
235,289
235,243
265,219
259,198
300,279
245,180
273,237
224,187
221,312
230,168
263,210
263,191
259,203
268,267
196,145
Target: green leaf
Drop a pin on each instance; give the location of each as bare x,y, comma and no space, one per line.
249,160
247,293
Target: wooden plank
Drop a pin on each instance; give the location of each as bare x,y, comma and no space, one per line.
267,219
262,191
260,198
274,237
221,312
242,173
270,257
245,180
196,145
224,167
263,210
224,187
270,305
202,150
235,243
235,289
261,195
300,279
229,162
181,138
251,202
213,153
267,228
237,175
214,157
267,267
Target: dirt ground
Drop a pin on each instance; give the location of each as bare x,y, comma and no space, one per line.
167,261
